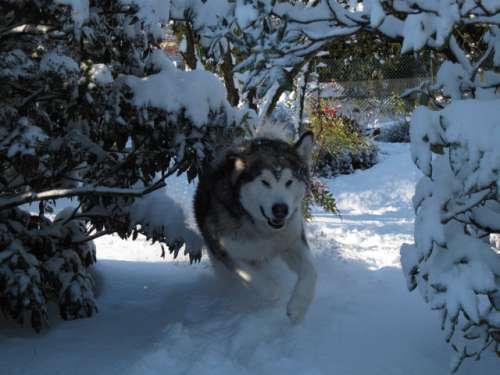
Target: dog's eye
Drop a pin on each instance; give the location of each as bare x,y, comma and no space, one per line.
288,183
265,183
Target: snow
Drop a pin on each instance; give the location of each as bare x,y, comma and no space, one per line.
79,13
496,56
100,74
376,12
428,22
417,30
56,62
159,213
455,269
25,139
168,317
475,156
491,6
154,14
206,14
16,64
245,13
198,92
376,212
453,79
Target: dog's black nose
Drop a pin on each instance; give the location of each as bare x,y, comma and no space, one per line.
280,210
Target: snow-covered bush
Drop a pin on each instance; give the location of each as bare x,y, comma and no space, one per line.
455,144
345,162
398,132
457,204
91,109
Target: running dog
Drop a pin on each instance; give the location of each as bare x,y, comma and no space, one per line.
248,208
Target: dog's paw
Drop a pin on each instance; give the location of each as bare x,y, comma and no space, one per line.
296,310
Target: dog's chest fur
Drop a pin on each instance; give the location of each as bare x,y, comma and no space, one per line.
247,243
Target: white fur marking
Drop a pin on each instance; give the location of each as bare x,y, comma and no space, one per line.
255,194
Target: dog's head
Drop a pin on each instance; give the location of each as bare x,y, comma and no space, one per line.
271,178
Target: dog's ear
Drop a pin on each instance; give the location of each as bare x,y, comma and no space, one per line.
236,165
304,147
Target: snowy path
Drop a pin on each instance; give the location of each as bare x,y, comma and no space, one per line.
164,317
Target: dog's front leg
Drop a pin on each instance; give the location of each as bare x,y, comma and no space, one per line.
298,259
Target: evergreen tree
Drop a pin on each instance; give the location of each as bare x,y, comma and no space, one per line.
92,110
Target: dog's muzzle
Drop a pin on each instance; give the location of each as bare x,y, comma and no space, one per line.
273,223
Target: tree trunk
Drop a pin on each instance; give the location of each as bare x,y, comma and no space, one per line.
227,66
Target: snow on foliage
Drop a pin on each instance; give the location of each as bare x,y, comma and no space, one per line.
162,219
58,63
91,109
196,92
154,15
276,37
101,74
79,13
457,202
457,205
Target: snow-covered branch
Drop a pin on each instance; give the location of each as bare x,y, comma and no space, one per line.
462,207
29,197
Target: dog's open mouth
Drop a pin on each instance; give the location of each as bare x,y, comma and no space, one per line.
273,223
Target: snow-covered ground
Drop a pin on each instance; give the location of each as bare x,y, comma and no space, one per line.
168,317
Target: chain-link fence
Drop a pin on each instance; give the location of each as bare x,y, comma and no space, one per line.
373,67
369,89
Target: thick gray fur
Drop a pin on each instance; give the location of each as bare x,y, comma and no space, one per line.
234,205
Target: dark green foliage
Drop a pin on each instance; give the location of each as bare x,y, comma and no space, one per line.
343,147
320,196
399,132
368,56
66,134
346,162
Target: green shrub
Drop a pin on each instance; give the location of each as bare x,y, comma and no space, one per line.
343,147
